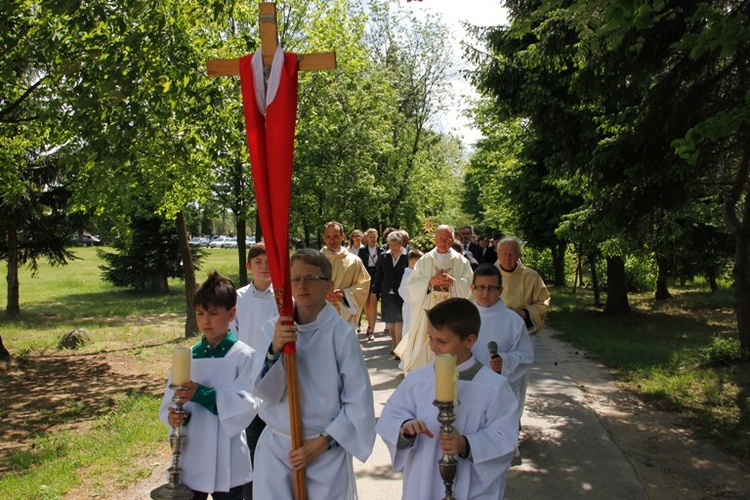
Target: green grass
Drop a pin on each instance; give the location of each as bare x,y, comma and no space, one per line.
110,450
62,298
681,353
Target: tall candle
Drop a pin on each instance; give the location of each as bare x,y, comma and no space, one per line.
446,378
181,365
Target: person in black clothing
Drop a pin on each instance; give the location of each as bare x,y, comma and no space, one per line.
369,253
388,274
466,234
487,255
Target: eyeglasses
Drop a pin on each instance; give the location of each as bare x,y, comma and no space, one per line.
487,288
308,279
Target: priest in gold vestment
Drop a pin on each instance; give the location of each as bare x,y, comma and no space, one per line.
350,278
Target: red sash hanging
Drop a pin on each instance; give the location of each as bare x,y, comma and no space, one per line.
270,118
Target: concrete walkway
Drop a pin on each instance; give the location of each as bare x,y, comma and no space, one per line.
566,452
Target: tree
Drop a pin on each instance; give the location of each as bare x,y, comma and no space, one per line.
149,254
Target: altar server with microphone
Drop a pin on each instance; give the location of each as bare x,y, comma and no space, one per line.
503,343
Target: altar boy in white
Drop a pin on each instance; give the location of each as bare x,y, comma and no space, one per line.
255,305
486,425
336,404
218,401
514,351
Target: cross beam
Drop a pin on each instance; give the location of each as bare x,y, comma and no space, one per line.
268,42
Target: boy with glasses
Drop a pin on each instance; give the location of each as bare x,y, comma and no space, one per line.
513,352
336,407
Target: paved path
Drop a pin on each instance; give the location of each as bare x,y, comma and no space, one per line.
566,452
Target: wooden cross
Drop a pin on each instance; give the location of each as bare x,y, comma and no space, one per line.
231,67
268,42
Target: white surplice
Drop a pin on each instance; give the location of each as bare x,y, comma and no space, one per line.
335,397
254,308
414,348
508,330
486,416
403,292
215,456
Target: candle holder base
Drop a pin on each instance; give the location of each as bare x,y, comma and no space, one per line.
447,464
174,490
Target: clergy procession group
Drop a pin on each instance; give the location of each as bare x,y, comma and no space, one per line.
471,297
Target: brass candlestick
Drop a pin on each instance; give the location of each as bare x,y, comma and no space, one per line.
174,490
447,463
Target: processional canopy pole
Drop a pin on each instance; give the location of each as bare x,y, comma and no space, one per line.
272,172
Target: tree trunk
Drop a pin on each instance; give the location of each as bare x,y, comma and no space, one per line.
617,290
4,354
742,288
595,280
738,226
662,278
558,262
242,248
711,275
191,325
13,307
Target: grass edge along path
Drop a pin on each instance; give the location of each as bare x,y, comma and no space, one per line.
682,355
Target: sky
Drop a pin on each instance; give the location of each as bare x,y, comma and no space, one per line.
476,12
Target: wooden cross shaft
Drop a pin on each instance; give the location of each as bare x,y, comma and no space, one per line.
269,42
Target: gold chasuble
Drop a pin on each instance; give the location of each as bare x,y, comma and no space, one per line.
351,277
523,288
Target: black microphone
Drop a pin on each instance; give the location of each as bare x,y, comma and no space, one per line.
492,347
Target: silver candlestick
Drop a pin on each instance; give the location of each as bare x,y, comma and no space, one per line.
174,490
447,463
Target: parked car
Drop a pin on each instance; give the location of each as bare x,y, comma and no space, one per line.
230,242
199,242
218,242
86,240
249,241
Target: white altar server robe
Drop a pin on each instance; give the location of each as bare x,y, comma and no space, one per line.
254,308
486,416
335,397
215,456
501,325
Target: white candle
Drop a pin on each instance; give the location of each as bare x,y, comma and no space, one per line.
181,365
446,378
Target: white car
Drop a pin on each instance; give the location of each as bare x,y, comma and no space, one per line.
218,242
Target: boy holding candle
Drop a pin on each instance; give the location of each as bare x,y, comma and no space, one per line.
217,399
336,407
485,431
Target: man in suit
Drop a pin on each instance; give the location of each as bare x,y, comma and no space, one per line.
466,234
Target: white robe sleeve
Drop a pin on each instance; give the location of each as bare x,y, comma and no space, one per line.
493,446
519,358
464,277
234,401
354,426
397,410
418,282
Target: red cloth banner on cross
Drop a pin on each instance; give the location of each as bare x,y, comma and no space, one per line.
270,118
